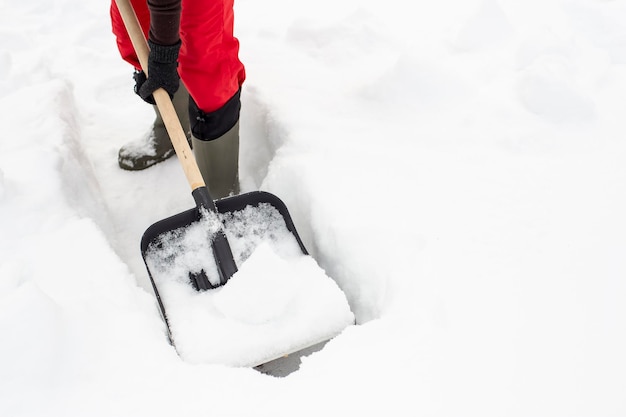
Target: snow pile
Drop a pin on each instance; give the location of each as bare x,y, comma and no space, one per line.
280,301
456,167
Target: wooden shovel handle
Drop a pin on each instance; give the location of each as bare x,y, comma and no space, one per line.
162,99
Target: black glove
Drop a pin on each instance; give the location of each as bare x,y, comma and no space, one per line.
162,72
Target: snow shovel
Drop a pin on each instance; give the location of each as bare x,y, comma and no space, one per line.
157,235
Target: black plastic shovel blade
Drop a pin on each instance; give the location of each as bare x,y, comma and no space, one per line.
155,233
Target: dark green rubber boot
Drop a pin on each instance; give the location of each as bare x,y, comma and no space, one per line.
218,160
156,146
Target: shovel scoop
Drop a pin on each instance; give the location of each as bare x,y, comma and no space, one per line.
280,302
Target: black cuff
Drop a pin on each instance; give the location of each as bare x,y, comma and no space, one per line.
164,54
213,125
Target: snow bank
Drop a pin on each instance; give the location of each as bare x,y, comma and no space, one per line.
456,166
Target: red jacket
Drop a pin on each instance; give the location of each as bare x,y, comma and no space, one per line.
208,62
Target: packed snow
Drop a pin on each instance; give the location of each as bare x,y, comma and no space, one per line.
455,167
278,302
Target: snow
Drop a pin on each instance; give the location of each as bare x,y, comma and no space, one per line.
278,302
456,167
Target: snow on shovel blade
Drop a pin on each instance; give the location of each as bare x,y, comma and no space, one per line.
279,302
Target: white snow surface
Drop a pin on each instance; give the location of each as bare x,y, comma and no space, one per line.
456,167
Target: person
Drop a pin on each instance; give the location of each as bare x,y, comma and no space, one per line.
194,57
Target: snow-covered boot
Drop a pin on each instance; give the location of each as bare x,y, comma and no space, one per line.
218,160
156,146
